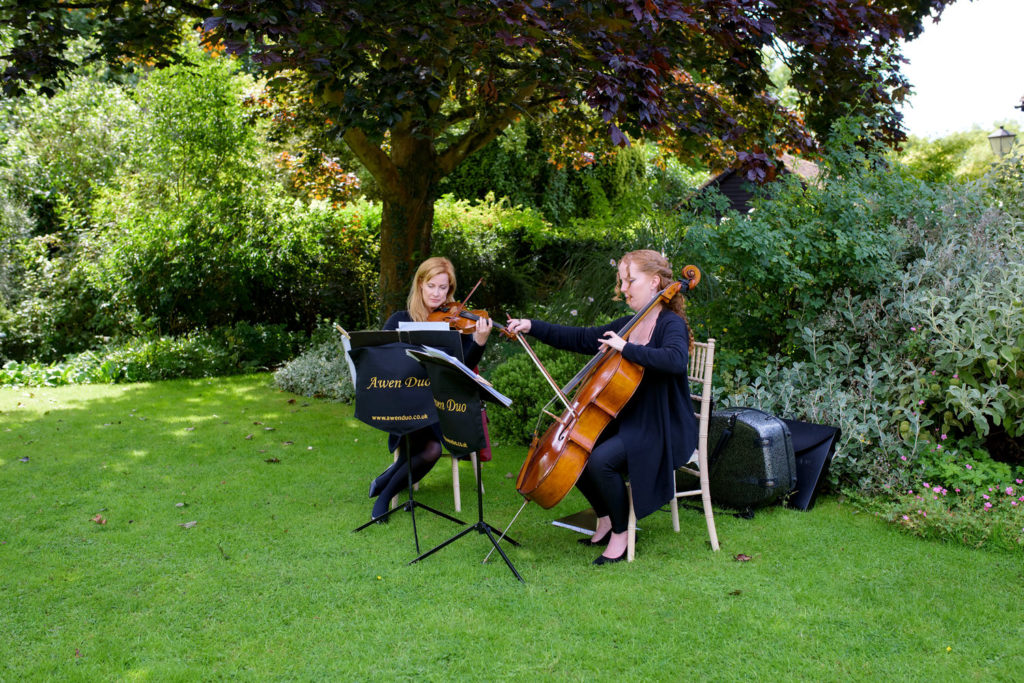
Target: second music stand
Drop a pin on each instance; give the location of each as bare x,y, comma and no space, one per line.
457,392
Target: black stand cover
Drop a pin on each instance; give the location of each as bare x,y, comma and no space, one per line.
457,392
393,394
814,445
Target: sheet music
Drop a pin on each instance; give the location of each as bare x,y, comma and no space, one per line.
444,358
413,326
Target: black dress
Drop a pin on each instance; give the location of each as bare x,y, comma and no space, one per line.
658,425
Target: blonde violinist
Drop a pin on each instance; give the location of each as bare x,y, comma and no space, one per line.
432,286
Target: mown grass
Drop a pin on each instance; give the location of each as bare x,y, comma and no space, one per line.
270,583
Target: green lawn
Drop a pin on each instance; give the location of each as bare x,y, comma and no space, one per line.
270,583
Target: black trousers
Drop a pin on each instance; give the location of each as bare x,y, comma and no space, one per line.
603,482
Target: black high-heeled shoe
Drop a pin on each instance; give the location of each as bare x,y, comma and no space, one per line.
601,559
600,541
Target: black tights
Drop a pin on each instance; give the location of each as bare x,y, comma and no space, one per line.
603,485
425,450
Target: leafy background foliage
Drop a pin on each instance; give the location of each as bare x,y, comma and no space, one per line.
881,298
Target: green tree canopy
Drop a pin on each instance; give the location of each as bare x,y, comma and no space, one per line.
414,88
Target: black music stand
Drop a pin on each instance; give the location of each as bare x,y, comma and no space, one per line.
457,393
393,395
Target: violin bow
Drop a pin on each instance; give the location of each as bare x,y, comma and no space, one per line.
466,300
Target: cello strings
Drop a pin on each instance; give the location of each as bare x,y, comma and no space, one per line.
505,532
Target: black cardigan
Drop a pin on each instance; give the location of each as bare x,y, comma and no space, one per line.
658,425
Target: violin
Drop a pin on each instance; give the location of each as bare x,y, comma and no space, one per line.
461,319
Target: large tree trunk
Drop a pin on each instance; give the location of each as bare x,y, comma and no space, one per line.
408,175
408,178
405,229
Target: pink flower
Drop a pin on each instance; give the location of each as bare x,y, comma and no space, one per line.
988,506
957,490
956,376
939,447
943,437
968,466
913,329
903,457
1009,490
906,518
984,496
1019,481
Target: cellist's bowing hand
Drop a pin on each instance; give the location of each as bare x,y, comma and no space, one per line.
483,330
612,340
517,325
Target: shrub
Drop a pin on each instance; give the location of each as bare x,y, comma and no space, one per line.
241,348
991,516
321,371
919,373
58,153
519,379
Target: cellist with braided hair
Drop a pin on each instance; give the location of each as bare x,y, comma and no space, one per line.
656,431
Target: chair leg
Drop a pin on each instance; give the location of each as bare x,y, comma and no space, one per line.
455,484
674,505
631,528
472,460
709,515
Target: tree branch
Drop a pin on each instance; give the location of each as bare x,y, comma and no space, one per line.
374,159
484,131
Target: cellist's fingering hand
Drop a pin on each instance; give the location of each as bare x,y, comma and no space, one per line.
612,340
483,330
517,325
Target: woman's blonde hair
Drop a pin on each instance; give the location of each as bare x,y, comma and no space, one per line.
435,265
653,263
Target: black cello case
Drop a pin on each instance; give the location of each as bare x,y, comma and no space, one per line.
752,462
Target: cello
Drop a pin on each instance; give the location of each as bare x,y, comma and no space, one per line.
606,384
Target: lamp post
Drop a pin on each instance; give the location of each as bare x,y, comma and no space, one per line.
1001,141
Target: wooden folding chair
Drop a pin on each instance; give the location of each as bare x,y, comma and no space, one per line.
702,359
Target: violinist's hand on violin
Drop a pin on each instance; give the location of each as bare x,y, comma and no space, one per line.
516,325
483,330
610,339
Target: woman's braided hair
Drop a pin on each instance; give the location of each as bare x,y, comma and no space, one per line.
653,263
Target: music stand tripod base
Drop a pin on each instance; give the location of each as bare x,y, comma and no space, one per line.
411,504
480,526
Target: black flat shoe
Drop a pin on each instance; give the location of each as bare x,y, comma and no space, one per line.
380,520
600,541
601,559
